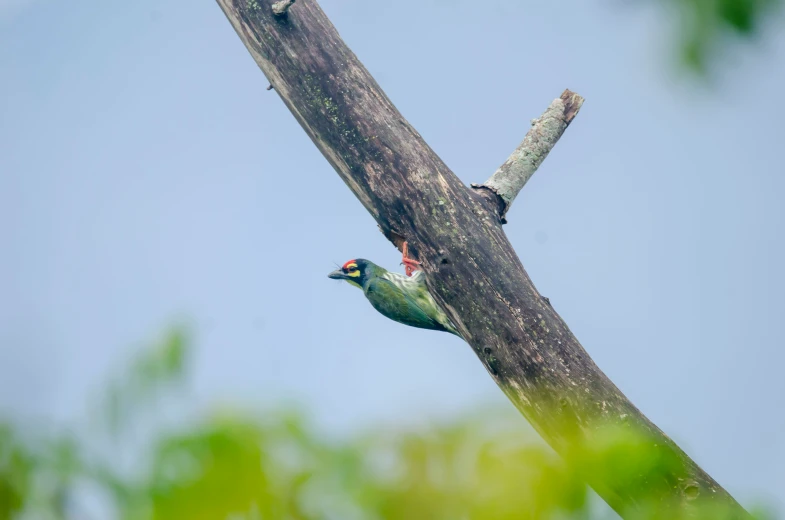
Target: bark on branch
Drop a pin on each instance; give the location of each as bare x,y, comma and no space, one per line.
472,270
545,132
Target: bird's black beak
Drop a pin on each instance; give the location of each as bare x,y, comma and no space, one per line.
337,275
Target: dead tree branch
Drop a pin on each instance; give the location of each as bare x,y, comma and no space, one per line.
456,232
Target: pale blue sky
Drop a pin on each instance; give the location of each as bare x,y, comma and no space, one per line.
146,176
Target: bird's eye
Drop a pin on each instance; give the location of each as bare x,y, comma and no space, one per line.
352,269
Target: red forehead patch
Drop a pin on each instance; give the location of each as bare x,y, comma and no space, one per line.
347,264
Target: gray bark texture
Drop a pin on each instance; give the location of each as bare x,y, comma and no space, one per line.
456,232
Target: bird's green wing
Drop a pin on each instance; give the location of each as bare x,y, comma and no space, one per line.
389,300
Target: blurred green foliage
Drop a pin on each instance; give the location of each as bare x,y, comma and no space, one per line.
230,466
707,25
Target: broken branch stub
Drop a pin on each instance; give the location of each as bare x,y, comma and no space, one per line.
545,132
282,7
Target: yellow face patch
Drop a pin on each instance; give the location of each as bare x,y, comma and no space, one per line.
351,270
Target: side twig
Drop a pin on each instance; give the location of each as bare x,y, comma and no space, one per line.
545,132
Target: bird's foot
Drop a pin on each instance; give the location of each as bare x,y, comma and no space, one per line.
410,264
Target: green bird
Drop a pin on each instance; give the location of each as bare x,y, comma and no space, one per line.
401,298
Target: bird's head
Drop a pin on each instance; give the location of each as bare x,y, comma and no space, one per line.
355,272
